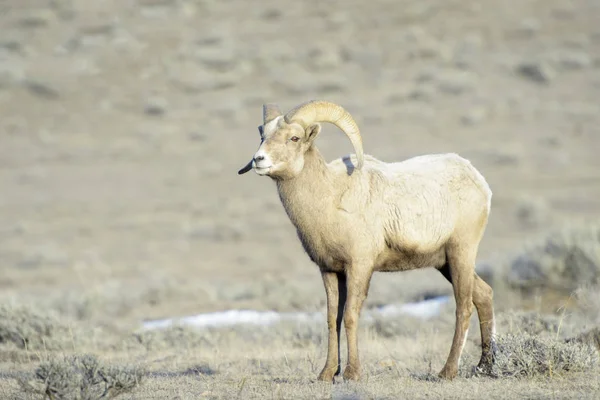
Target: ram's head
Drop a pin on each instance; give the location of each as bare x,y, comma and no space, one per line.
286,138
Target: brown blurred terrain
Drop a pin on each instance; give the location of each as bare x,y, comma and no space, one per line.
123,124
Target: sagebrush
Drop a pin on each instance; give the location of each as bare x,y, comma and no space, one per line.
526,355
81,377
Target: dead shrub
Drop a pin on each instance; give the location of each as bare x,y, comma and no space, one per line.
26,328
81,377
563,261
590,337
525,355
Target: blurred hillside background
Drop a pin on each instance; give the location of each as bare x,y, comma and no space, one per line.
123,124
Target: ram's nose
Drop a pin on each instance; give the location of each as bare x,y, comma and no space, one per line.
261,159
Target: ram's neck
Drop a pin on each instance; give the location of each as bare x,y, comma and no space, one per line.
307,196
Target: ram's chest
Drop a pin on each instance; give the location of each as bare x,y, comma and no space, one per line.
329,254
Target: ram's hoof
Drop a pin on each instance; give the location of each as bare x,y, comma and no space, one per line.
448,373
351,373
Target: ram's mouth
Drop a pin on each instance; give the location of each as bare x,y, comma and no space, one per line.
262,170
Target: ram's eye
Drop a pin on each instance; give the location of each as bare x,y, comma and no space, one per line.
294,138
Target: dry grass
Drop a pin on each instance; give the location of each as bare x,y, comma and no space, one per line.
401,357
540,354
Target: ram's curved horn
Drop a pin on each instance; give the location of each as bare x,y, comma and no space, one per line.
324,111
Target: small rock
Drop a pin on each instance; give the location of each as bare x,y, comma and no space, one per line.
466,50
215,233
550,141
580,41
474,116
369,59
529,27
428,74
503,159
400,94
156,106
155,3
419,44
220,57
496,157
423,92
11,45
69,46
98,29
158,11
455,82
277,52
47,255
11,74
566,12
94,35
196,137
225,108
63,8
574,60
41,89
36,19
424,113
293,79
192,78
323,58
330,83
415,34
84,66
430,49
536,71
271,14
189,10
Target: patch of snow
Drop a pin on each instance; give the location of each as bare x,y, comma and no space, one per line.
422,309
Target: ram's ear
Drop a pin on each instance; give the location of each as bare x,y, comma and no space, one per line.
312,131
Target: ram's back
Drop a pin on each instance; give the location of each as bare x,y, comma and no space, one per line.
425,198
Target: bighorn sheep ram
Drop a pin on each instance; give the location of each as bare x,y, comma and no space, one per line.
357,215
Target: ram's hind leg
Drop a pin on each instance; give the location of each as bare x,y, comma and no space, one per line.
483,299
460,266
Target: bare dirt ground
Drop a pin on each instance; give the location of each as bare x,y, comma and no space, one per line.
123,124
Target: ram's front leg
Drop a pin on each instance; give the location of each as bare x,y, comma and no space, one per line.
335,288
358,278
